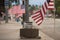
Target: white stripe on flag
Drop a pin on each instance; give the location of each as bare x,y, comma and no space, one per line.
38,19
36,16
51,0
39,22
51,3
50,7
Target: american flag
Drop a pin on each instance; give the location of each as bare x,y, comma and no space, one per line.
39,15
23,8
17,9
50,4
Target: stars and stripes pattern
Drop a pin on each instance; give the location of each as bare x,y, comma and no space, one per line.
39,15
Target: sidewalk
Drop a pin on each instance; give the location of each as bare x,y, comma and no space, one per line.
11,31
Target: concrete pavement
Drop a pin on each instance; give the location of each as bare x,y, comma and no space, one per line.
11,31
49,28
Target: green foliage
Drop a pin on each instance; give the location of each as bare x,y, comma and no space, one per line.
31,8
13,0
36,7
58,9
57,6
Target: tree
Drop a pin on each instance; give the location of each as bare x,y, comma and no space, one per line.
57,6
36,7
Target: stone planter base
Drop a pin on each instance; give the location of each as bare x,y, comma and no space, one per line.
29,33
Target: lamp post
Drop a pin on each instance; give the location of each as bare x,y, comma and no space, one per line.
26,10
26,15
6,2
28,31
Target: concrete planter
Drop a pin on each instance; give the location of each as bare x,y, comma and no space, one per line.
29,33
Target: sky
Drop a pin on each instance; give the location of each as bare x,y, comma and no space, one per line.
34,2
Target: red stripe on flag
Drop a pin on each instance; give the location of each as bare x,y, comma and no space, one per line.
40,22
43,9
51,4
51,8
37,17
46,5
41,17
37,12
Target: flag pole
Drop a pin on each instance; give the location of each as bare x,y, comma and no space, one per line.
54,17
